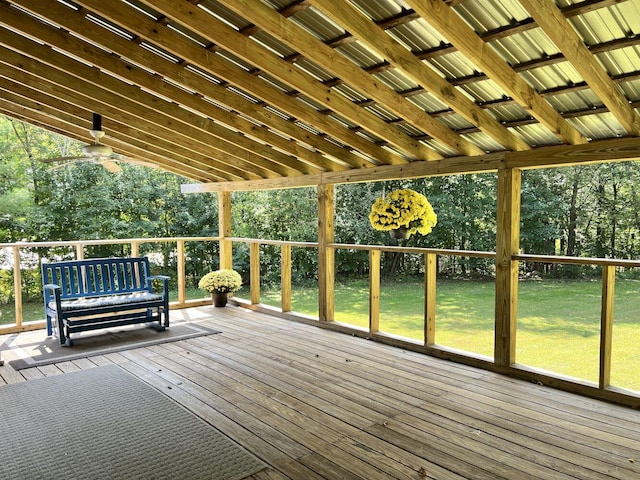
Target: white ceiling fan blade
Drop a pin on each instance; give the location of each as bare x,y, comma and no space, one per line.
112,166
61,159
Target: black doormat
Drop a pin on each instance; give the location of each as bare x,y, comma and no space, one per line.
34,349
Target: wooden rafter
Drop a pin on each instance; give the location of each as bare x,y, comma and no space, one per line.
214,65
327,58
451,26
233,144
199,93
80,92
554,24
226,37
60,121
384,45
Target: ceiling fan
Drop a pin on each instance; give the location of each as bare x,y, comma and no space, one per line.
94,152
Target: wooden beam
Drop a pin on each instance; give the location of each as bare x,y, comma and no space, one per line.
619,149
457,31
215,66
616,150
507,245
221,34
323,55
549,17
385,46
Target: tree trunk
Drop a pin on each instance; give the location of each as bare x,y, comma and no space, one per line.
573,217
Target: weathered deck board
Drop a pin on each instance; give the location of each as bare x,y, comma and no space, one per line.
317,404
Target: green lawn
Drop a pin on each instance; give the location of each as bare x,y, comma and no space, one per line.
558,321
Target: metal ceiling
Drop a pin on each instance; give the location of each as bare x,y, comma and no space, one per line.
246,90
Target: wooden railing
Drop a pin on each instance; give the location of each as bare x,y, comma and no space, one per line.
425,345
79,248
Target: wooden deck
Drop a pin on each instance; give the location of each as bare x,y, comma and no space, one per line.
313,403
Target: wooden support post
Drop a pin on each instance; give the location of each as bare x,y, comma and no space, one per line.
606,324
507,245
374,291
79,251
254,272
135,249
182,284
326,274
224,229
430,263
285,277
17,285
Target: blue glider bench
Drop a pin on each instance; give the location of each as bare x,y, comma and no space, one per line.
82,295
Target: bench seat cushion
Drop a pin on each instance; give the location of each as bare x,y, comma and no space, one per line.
106,301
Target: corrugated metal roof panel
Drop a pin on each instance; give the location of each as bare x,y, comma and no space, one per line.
622,60
537,135
485,15
631,89
598,126
379,10
484,141
396,80
314,70
453,65
360,55
317,24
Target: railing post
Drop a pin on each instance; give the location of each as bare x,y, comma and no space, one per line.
374,291
135,249
80,251
606,324
182,284
326,266
254,272
430,262
285,277
507,245
224,229
17,285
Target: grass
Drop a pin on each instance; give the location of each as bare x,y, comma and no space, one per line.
558,321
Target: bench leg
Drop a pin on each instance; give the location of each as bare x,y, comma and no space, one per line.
165,312
61,332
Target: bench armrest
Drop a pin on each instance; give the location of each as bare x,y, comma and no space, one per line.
51,291
165,283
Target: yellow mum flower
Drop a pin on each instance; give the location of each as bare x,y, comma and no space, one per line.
403,208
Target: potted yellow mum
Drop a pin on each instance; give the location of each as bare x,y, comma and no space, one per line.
403,213
219,284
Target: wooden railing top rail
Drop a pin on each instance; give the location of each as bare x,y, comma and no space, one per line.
393,248
613,262
65,243
273,242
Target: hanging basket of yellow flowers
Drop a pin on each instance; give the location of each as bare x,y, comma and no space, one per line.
403,213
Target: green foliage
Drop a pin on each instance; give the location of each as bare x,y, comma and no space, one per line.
587,211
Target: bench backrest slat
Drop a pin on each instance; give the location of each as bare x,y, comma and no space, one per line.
95,277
